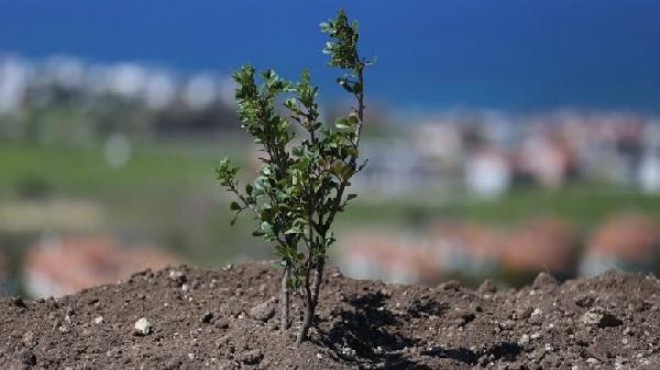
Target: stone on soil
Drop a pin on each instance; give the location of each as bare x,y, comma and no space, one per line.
206,318
263,312
178,277
252,357
29,358
143,327
601,318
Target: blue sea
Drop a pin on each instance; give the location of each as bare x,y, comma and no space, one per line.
513,55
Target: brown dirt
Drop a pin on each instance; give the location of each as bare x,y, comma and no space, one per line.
205,318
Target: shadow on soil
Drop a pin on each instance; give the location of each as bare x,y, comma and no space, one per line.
369,325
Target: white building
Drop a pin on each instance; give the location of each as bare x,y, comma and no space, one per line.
200,91
488,173
159,89
14,78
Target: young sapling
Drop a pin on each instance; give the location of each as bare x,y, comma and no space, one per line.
306,169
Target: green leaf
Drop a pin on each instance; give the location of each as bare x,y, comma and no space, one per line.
293,230
291,103
353,119
234,206
342,123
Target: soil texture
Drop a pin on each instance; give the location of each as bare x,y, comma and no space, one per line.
189,318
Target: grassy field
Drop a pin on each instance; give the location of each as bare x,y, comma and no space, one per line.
75,171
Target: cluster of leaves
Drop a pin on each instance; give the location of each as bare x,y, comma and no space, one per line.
306,165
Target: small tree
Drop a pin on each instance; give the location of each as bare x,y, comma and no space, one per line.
302,184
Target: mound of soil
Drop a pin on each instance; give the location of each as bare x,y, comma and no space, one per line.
226,319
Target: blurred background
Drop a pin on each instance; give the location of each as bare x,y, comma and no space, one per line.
504,138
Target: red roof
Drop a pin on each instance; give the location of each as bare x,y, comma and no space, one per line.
628,236
67,265
540,244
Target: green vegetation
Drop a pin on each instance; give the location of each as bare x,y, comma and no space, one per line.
84,171
302,184
581,204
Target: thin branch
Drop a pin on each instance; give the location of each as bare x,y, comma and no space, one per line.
241,197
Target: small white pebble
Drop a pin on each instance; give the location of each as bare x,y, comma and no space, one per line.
348,352
143,327
191,356
98,320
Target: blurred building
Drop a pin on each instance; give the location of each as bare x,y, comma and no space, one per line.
395,168
626,241
160,89
466,248
59,266
463,249
649,168
390,258
201,91
542,244
14,75
488,173
544,160
649,172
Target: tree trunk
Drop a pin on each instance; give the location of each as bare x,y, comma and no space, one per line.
307,318
306,324
311,296
284,300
